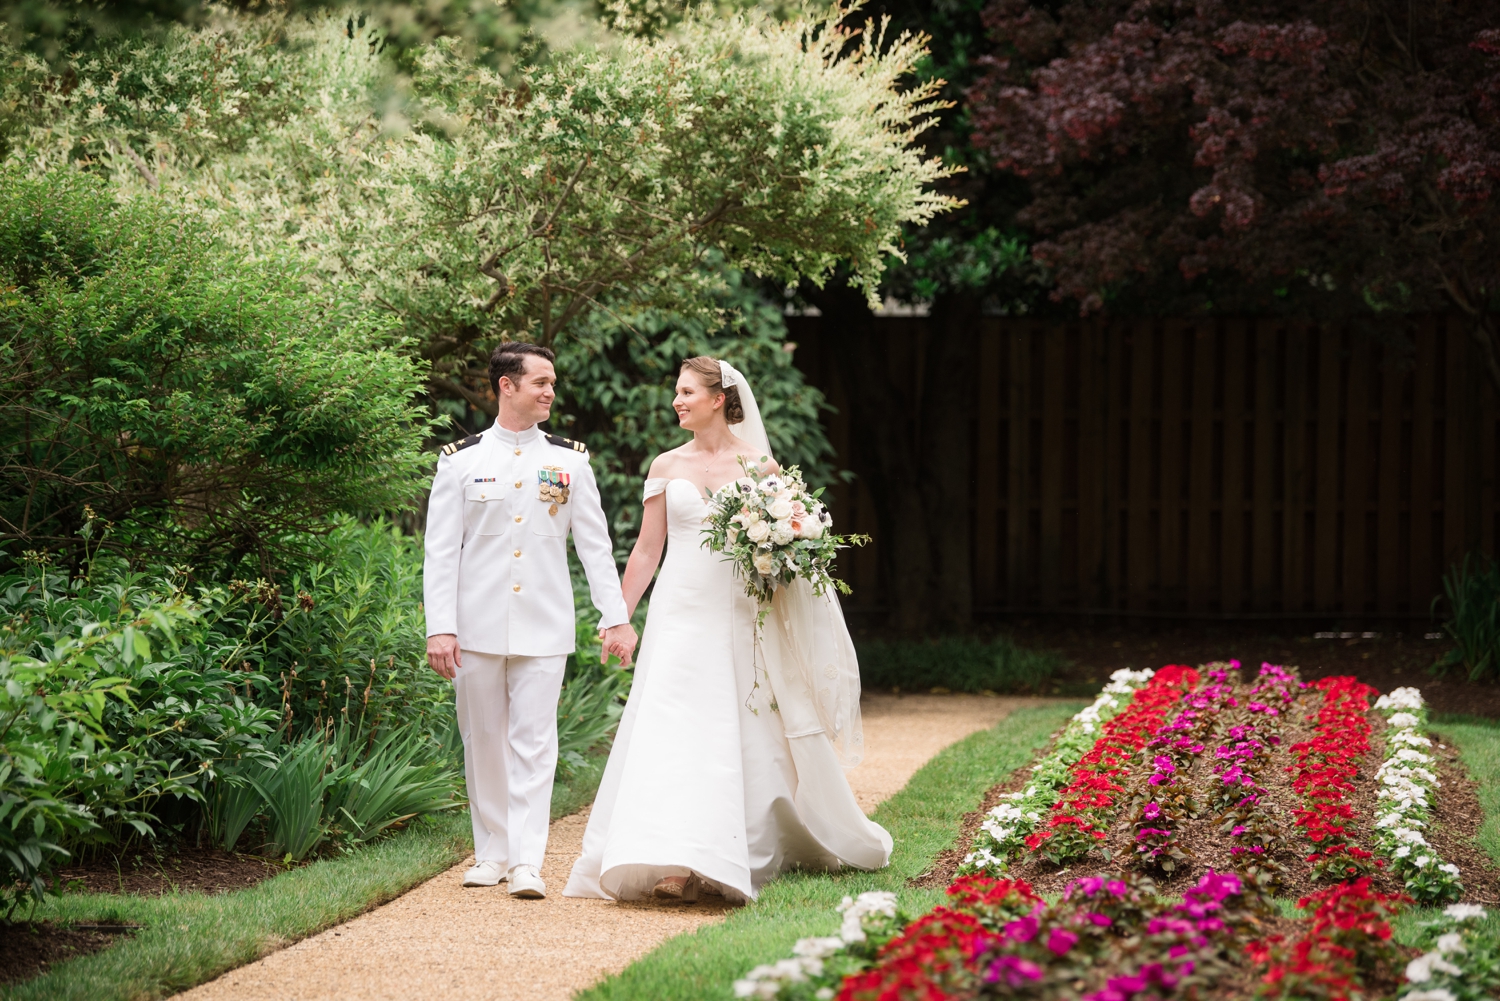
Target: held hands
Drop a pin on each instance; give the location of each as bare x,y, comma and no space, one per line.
618,640
443,655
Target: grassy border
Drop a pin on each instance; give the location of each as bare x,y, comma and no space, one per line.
924,819
190,938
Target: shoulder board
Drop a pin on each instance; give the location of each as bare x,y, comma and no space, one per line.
463,443
562,442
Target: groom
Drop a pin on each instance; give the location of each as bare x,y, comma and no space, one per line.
499,603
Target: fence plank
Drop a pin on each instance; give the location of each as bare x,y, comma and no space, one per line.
1458,431
1202,588
987,468
1173,375
1263,539
1138,552
1018,477
1388,518
1113,492
1094,410
1232,531
1325,477
1296,474
1357,571
1488,468
1422,442
1054,345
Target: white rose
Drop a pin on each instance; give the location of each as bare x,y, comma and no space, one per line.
781,533
758,530
764,562
811,529
780,509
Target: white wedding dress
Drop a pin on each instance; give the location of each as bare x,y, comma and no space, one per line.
705,777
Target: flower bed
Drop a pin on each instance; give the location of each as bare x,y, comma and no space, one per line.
1407,784
1458,964
1345,947
1325,771
1253,730
1200,762
1168,797
1003,834
1080,815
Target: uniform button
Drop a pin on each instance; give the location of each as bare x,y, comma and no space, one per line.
518,484
518,451
518,552
481,496
517,587
518,519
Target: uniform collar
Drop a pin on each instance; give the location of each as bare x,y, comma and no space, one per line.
516,439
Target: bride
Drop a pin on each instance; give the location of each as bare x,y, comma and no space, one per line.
728,765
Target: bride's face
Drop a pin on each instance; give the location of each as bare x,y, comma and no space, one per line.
696,408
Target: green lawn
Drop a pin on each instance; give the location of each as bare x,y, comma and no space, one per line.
189,938
923,818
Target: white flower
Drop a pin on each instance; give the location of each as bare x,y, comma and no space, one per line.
1451,942
780,508
826,994
765,562
1403,851
1465,912
771,486
1404,720
1401,698
1423,861
1419,970
1434,994
757,531
1450,869
817,948
781,533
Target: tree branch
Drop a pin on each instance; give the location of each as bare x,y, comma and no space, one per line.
459,389
135,158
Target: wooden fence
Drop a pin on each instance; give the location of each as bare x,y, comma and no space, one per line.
1218,467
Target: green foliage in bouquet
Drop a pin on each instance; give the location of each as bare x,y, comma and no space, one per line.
774,530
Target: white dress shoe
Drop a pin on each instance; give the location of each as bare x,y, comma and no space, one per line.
526,883
484,874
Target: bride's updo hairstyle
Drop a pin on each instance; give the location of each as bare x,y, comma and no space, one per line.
708,372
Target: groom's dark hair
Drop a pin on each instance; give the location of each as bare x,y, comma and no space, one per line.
509,360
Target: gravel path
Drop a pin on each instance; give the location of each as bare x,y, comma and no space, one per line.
443,942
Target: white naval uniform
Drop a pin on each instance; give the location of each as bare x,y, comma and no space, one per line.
496,575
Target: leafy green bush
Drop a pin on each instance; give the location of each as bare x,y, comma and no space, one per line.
206,406
955,663
1472,589
112,703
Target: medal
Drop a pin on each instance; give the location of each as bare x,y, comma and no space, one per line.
552,487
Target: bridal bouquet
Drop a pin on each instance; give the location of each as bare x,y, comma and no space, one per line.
774,530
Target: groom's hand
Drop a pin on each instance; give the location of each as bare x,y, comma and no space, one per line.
443,655
620,641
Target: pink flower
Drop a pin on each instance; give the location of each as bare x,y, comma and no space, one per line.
1061,940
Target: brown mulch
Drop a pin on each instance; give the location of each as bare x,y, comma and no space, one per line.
1457,820
29,948
181,869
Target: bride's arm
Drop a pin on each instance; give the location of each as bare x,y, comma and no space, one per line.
646,555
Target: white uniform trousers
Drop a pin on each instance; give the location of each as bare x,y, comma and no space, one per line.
507,715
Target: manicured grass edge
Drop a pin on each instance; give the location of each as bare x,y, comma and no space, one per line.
190,938
924,818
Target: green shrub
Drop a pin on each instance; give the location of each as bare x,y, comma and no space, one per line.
207,407
1472,589
955,663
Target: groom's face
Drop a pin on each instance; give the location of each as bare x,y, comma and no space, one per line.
530,396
